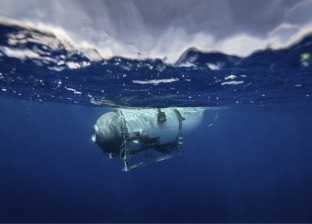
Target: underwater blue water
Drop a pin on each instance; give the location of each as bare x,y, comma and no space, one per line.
36,66
252,165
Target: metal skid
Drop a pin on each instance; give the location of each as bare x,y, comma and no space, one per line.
173,149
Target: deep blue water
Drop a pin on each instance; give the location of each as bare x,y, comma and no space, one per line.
252,165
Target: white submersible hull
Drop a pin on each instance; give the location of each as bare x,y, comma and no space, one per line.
126,132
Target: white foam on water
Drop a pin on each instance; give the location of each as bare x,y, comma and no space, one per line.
164,29
155,81
232,83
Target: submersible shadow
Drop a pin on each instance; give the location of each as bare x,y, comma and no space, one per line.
127,132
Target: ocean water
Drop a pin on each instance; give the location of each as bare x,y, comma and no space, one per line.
60,70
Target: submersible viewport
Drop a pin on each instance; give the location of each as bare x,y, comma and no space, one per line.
126,132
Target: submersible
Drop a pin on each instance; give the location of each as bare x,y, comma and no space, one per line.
124,133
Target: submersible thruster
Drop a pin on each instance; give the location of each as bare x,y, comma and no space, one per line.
123,133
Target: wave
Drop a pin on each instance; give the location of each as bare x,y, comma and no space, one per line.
57,53
163,30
